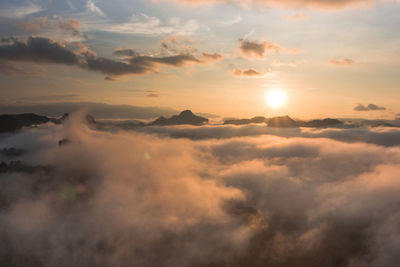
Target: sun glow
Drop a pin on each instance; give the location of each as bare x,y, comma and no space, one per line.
276,98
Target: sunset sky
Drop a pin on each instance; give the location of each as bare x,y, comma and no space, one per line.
200,133
329,58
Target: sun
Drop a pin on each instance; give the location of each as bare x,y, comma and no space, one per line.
276,98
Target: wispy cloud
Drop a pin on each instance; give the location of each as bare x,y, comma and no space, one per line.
149,25
315,4
92,7
297,16
14,11
227,23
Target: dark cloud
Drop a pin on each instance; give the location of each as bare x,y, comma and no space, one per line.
375,107
248,72
44,50
370,107
38,50
342,62
175,60
125,52
259,49
117,68
152,95
214,56
138,64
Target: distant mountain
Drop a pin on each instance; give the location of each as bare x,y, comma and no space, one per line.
12,123
281,122
258,119
320,123
98,110
185,117
286,122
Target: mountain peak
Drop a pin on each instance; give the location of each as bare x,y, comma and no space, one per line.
185,117
186,113
281,122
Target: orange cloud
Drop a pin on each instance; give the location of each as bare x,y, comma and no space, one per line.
248,72
297,16
256,49
342,62
317,4
214,56
259,49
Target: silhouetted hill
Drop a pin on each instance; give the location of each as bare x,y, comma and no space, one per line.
12,123
281,122
320,123
258,119
185,117
286,122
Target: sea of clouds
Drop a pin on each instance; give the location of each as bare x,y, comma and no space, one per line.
201,196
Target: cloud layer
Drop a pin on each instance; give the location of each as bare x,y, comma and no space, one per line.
125,198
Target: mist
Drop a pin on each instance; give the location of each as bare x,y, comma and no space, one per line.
215,196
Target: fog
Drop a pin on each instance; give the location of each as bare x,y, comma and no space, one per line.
216,196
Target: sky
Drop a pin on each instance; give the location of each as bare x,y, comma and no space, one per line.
329,58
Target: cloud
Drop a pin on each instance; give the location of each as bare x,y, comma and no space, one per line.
247,72
152,95
342,62
382,137
297,16
370,107
52,26
256,49
177,44
92,7
44,50
11,69
259,49
237,201
212,57
14,11
125,52
145,64
314,4
150,25
38,50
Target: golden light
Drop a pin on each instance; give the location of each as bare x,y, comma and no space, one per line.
276,98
